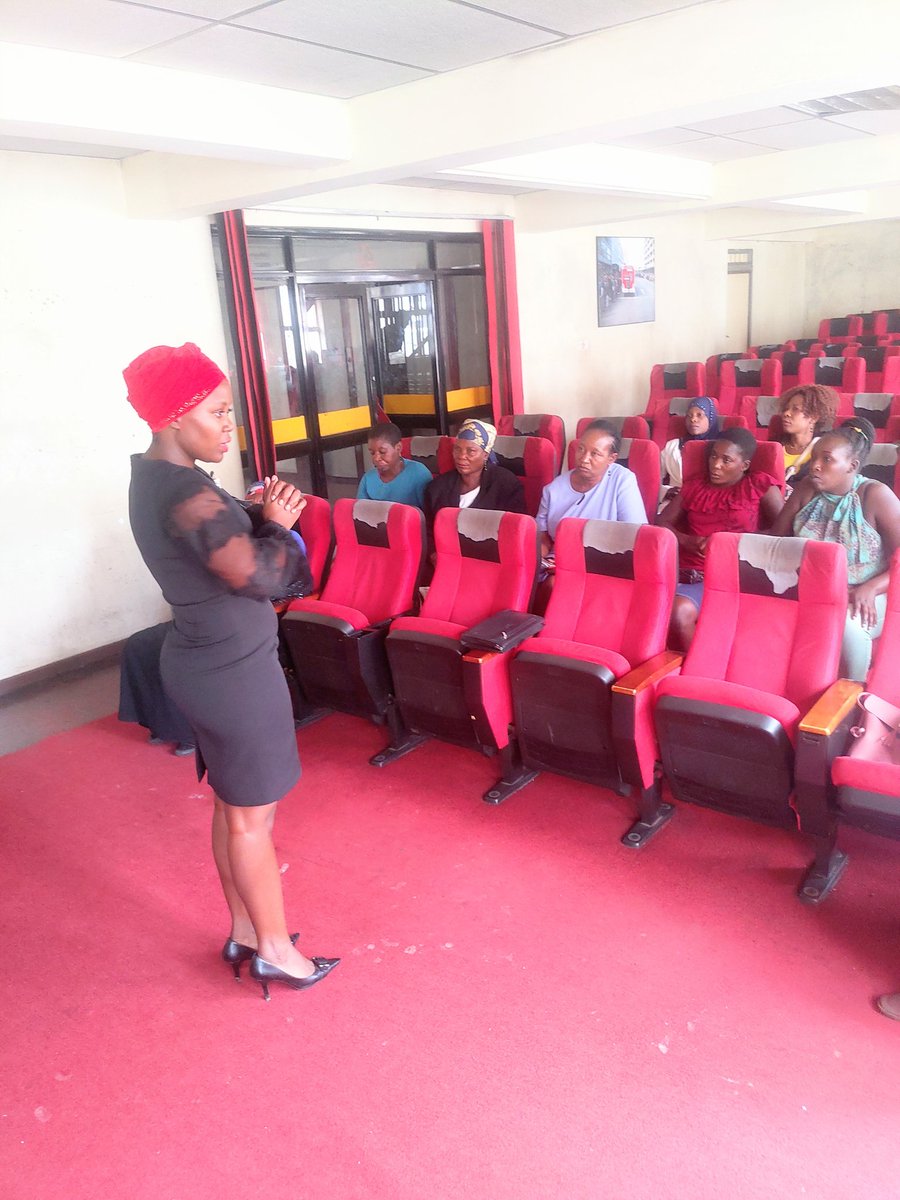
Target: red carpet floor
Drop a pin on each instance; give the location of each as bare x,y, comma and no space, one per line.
525,1008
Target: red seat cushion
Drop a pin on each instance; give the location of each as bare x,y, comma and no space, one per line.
578,651
340,612
717,691
867,776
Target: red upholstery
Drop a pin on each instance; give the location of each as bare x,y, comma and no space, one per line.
485,562
641,456
764,350
763,416
671,382
533,460
436,453
767,646
874,324
847,375
882,367
338,658
315,529
608,613
840,329
804,346
745,378
882,409
628,427
714,366
545,425
768,457
790,359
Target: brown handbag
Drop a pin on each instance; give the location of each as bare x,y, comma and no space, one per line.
877,736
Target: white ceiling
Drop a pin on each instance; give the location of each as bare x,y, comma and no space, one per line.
666,101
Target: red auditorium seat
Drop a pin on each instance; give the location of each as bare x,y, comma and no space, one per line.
846,375
767,647
641,456
761,413
803,346
608,615
883,464
316,530
544,425
486,563
882,409
533,460
336,642
834,349
790,367
626,427
714,367
436,453
840,329
882,367
669,381
765,350
745,379
873,323
865,793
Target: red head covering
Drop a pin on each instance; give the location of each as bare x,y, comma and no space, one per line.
167,381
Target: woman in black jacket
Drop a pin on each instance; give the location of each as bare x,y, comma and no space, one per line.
475,481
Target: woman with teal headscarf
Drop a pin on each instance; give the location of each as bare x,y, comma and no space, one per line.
834,503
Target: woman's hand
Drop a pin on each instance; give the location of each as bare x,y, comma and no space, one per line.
282,502
862,603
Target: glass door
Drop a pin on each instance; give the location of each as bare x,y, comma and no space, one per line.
340,376
406,355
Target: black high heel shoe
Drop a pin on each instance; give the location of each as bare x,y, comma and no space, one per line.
265,973
236,953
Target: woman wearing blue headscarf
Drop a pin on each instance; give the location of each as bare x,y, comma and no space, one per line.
701,424
477,479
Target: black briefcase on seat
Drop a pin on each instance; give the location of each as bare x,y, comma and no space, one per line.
502,631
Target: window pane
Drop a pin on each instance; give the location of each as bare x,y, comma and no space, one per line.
465,331
459,254
267,253
273,308
358,254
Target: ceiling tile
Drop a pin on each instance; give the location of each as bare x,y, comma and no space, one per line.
439,35
884,122
279,62
716,149
761,118
102,26
212,10
582,16
657,139
797,137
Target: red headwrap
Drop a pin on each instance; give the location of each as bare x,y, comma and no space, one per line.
167,381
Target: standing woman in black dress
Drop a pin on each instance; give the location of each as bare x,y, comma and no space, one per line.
217,566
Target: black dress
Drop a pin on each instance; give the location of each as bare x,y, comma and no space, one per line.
219,663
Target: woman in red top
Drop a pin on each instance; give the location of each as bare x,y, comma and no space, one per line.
731,499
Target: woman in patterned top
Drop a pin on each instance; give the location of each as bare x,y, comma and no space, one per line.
834,503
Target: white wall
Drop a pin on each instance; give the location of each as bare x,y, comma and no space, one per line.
83,290
778,295
852,268
570,365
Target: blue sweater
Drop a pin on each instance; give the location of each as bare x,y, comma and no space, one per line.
407,488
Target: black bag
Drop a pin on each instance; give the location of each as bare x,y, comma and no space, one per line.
502,631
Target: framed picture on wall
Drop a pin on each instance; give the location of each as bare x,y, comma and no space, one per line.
626,280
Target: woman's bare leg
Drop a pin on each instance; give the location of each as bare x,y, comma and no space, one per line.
253,880
241,926
683,624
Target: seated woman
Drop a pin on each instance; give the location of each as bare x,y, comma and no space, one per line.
477,479
701,423
597,488
730,499
806,412
834,503
391,476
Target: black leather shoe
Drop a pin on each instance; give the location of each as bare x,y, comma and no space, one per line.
236,953
265,973
183,749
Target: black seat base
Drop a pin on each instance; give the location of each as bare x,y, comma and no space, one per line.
821,877
400,747
655,814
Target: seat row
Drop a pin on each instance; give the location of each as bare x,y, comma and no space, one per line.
752,722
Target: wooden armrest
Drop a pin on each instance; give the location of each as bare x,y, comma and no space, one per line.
831,708
648,673
480,656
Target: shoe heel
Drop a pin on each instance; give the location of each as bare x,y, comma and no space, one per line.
265,989
236,967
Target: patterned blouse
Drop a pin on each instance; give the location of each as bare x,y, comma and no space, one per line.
830,518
